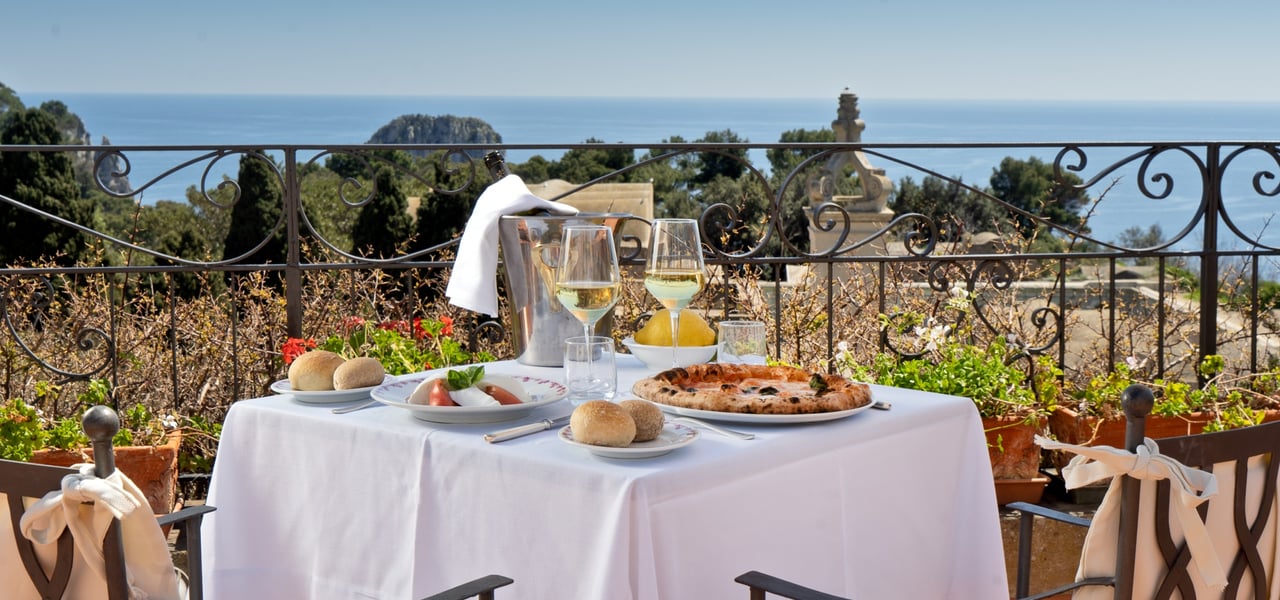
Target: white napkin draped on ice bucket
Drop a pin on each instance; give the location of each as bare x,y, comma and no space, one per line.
474,284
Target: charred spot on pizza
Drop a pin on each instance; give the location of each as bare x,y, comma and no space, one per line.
670,375
768,390
728,387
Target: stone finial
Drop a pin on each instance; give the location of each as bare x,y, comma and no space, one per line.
848,126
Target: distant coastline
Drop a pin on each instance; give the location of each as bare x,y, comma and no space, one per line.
187,119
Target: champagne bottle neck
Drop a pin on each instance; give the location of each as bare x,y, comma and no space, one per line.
496,164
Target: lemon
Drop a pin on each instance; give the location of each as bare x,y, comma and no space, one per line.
694,330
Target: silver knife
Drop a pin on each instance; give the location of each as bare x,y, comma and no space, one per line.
515,432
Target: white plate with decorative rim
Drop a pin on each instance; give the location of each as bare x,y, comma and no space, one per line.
325,396
714,415
674,435
396,393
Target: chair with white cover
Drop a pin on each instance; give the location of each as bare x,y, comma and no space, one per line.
1189,517
56,546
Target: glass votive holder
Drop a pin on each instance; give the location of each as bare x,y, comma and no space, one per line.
590,369
741,342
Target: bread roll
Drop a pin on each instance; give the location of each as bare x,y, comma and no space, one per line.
357,373
648,417
313,371
602,423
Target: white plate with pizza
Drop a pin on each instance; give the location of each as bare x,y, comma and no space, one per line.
325,396
396,393
712,415
754,393
674,435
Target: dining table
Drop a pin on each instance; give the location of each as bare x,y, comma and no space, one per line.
379,503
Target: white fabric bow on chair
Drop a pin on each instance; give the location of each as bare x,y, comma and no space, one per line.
1190,488
85,505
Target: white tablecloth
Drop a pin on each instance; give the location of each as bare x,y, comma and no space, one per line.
377,504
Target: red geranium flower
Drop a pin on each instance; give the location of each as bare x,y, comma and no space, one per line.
401,327
295,347
448,325
350,324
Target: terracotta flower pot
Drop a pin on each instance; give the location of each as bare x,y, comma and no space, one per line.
1011,447
1070,427
1015,458
1073,428
154,469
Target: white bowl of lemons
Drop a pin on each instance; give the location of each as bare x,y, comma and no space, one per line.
652,343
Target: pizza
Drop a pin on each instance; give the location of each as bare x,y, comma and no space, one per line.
756,389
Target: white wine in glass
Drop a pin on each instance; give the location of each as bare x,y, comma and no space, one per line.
588,282
674,272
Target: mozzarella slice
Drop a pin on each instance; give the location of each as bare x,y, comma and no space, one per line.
472,396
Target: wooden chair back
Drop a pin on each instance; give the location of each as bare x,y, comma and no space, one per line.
23,480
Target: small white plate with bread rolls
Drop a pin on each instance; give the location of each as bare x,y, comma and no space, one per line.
541,392
324,377
325,396
673,436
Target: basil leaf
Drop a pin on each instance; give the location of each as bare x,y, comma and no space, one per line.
460,380
818,383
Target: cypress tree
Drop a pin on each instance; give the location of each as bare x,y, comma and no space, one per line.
442,216
256,213
42,180
384,224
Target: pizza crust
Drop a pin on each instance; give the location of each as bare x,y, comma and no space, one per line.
754,389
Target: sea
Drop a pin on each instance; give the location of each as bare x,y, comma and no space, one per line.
187,119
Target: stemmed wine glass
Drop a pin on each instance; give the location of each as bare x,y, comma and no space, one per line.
588,282
674,271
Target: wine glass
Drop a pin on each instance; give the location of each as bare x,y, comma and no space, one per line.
588,282
674,271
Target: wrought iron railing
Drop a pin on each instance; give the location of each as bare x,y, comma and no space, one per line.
863,275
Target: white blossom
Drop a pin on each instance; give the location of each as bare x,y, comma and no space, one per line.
932,335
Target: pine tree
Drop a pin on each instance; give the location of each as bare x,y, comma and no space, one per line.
256,213
384,224
45,181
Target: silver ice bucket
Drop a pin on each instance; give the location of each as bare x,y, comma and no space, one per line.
530,252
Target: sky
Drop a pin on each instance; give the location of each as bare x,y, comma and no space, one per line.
1179,50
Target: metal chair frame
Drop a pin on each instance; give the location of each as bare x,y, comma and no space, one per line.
482,589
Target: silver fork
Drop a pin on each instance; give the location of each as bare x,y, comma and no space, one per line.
716,428
342,410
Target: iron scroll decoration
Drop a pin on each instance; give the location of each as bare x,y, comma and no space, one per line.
999,276
85,339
